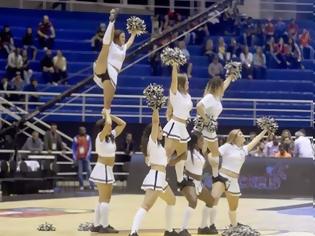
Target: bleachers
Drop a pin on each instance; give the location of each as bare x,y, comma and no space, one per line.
74,31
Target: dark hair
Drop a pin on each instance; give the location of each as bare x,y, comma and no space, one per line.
100,126
117,33
195,135
145,139
213,85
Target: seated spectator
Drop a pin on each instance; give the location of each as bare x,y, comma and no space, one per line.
46,33
52,140
32,87
293,29
291,59
17,84
7,39
269,29
128,146
47,66
155,62
247,63
28,42
215,68
286,138
272,146
295,49
34,143
187,68
280,28
259,151
280,52
302,145
259,62
60,67
156,28
221,50
201,33
305,40
15,63
259,36
27,71
172,18
209,50
6,86
283,153
233,51
97,40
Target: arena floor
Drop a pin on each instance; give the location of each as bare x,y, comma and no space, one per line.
269,216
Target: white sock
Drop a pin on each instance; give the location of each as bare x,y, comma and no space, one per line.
205,217
213,214
232,215
108,33
97,215
187,216
169,218
179,168
137,220
104,208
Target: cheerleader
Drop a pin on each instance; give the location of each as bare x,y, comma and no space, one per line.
194,189
210,106
109,62
102,174
233,154
155,184
175,131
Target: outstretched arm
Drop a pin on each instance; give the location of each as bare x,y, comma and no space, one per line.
155,125
227,82
174,79
131,40
256,140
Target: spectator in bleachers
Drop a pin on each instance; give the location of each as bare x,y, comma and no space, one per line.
293,29
259,62
209,50
96,41
280,28
128,145
28,42
280,50
156,28
305,42
302,145
269,29
295,49
6,86
17,84
233,51
7,40
27,71
272,146
81,152
221,50
283,153
155,62
60,67
259,150
215,68
53,140
15,63
292,59
247,63
46,33
172,18
33,143
201,33
32,87
47,66
259,36
187,68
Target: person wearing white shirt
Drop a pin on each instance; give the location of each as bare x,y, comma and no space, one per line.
15,62
302,146
247,62
60,66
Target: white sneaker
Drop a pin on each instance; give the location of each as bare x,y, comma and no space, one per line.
81,188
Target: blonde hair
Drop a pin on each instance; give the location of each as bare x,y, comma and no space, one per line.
232,136
181,81
213,85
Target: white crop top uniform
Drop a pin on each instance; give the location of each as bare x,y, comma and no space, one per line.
213,106
181,104
233,157
105,149
117,55
196,166
156,153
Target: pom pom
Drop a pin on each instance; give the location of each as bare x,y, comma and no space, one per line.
46,227
268,123
136,25
240,230
234,68
170,56
154,94
85,226
210,125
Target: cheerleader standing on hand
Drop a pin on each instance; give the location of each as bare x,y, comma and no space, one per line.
175,131
102,174
155,184
194,189
109,62
233,154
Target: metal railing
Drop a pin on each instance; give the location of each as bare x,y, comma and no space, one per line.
87,105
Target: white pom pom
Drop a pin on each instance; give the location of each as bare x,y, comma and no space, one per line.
234,68
171,56
154,94
136,25
268,123
210,125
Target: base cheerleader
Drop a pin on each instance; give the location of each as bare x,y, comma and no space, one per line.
175,131
109,62
194,189
102,174
155,184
